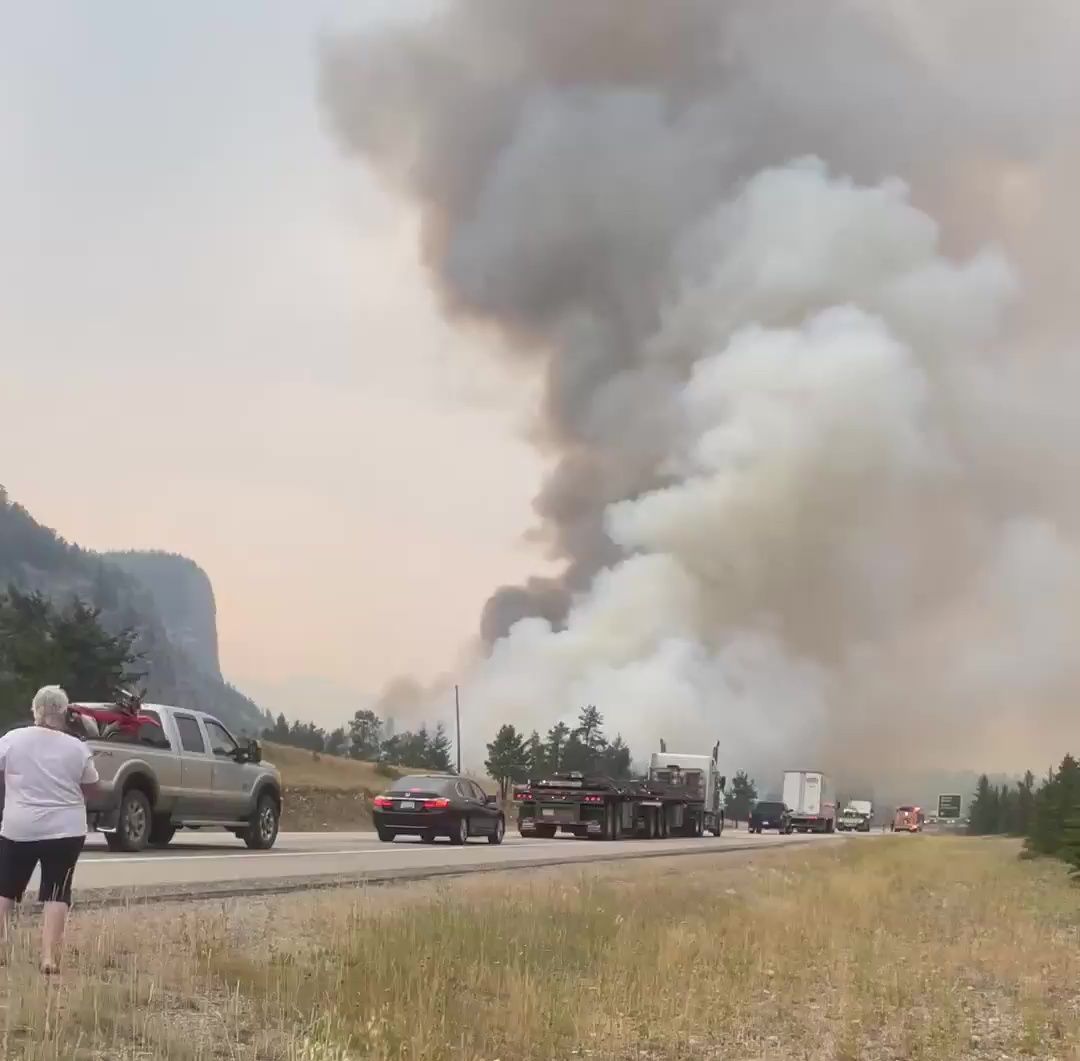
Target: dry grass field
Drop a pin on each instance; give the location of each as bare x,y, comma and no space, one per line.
911,948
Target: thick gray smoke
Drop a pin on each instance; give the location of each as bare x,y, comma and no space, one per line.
799,278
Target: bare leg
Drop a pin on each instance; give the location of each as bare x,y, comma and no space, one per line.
7,912
52,935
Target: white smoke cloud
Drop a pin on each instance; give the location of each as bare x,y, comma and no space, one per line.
815,454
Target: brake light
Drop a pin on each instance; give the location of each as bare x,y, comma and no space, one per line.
383,802
436,804
594,799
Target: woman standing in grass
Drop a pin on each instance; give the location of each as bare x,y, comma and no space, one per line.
47,776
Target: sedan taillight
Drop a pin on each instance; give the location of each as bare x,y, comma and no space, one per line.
383,802
436,804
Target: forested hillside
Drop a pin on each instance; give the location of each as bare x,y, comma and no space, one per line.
171,613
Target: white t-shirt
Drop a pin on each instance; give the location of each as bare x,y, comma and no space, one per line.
43,769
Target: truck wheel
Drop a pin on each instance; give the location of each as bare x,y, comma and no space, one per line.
161,831
546,832
132,823
262,832
616,823
830,826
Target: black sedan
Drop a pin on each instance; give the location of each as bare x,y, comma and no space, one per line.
431,805
769,815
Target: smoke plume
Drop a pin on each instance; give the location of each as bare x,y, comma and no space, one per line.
798,279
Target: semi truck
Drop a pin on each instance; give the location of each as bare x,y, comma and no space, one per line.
808,794
682,795
856,816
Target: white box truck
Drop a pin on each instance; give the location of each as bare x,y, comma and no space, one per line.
808,795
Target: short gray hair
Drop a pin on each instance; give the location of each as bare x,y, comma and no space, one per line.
50,706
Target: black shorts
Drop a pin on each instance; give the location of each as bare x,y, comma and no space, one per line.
57,857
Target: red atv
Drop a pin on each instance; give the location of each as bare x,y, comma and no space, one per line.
120,721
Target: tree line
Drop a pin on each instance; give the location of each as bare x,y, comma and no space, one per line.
45,644
1046,815
365,738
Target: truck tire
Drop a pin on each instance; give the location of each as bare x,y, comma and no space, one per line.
616,822
133,823
161,831
546,832
263,828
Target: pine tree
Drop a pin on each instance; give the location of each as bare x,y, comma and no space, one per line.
365,735
741,796
590,729
616,758
536,756
1025,804
437,755
555,746
983,812
507,758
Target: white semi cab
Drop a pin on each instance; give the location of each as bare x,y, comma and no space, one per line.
808,795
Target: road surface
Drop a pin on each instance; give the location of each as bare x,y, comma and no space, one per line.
218,864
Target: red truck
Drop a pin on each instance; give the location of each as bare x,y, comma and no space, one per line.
908,820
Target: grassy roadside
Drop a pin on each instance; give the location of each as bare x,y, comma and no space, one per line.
913,947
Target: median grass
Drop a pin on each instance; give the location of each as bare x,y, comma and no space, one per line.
913,947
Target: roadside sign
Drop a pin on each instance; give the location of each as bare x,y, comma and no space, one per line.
948,807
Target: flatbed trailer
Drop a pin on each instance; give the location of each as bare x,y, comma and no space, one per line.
602,808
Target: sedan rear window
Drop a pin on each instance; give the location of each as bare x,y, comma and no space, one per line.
440,786
769,808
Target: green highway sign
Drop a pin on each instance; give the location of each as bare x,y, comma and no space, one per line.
948,806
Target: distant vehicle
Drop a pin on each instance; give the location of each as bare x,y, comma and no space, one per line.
683,795
808,794
856,816
768,814
431,805
168,768
908,820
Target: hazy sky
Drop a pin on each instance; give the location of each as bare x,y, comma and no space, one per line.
216,339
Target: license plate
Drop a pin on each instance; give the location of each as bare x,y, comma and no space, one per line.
547,812
408,804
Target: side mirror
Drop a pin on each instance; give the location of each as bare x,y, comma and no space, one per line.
722,782
254,751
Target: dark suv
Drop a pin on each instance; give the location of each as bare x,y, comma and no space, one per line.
768,815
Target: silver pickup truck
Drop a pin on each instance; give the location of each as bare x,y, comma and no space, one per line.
189,772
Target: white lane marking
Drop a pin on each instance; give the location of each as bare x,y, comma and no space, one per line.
167,858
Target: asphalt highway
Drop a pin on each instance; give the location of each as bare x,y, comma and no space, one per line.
217,863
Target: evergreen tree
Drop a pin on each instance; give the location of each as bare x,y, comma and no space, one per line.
741,796
590,729
437,754
555,746
616,758
337,742
535,756
1025,804
507,758
984,810
365,735
43,645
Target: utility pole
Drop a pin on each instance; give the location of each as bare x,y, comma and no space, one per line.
457,716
